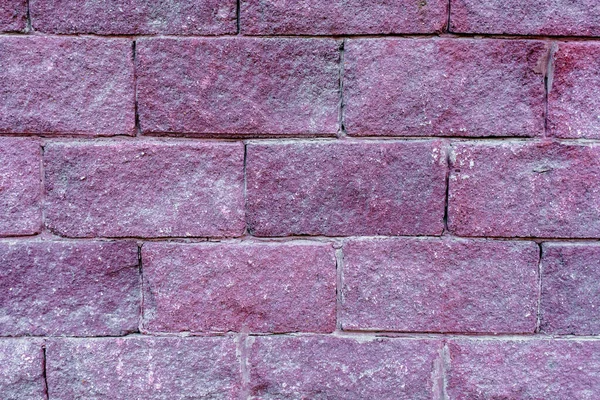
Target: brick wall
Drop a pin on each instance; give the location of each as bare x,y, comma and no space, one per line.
268,199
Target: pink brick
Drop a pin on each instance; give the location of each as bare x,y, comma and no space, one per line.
20,187
68,288
13,15
523,369
532,17
145,189
517,189
570,293
238,86
80,86
346,188
21,369
143,368
330,367
135,17
573,99
315,17
239,287
440,285
445,87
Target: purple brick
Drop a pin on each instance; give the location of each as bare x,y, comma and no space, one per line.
532,17
13,15
523,369
570,301
20,187
346,188
21,369
143,368
573,99
342,17
68,288
239,287
238,86
440,285
445,87
330,367
135,17
517,189
145,189
79,86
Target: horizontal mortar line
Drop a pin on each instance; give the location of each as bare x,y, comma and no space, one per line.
428,35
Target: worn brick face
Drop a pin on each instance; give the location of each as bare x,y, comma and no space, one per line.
239,287
444,87
238,86
533,17
143,368
20,187
151,189
13,15
570,294
66,85
440,285
68,288
327,367
126,17
523,369
340,189
314,17
21,369
516,189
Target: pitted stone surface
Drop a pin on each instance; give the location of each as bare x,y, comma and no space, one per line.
21,369
13,15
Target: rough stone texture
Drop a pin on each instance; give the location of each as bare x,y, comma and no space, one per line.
51,85
342,17
329,367
524,370
143,368
532,17
515,189
448,87
135,17
239,287
145,189
21,369
13,15
344,188
237,86
573,105
435,285
20,187
68,288
570,302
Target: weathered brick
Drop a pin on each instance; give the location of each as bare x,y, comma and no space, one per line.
238,86
447,87
51,85
68,288
524,369
573,99
315,17
570,294
517,189
349,188
532,17
143,368
439,285
13,15
135,17
329,367
21,369
239,287
20,187
145,189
